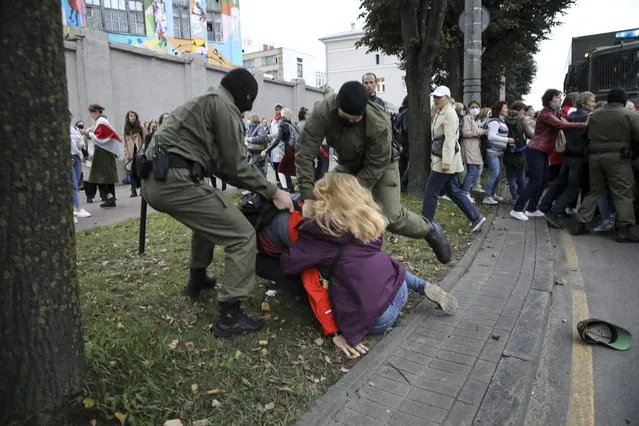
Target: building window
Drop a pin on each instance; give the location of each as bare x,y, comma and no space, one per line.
249,63
320,79
404,83
181,19
214,21
377,59
300,68
94,15
269,60
116,16
381,85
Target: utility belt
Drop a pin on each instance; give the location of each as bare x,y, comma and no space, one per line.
625,151
162,161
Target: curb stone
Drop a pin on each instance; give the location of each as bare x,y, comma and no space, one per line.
327,405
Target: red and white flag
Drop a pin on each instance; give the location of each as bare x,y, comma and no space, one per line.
106,138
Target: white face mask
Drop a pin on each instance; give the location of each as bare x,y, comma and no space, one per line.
474,112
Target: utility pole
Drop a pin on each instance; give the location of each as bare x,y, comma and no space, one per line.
472,50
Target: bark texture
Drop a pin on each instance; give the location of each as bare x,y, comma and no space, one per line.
421,28
41,347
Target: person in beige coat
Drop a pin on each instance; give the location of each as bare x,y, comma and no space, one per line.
446,162
133,141
471,147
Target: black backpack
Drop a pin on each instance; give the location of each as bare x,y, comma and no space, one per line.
259,211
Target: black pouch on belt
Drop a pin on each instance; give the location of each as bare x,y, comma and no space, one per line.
160,163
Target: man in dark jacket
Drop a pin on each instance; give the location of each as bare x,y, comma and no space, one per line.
611,130
565,189
369,80
400,133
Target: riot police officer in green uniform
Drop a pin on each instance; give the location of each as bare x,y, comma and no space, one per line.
360,131
205,137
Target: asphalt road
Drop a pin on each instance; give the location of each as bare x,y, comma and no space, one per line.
578,383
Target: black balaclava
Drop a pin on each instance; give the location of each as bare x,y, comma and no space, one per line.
618,96
352,99
243,88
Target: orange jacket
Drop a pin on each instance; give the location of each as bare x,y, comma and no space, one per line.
317,294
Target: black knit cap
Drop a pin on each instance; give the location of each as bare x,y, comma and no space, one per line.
243,86
352,98
617,95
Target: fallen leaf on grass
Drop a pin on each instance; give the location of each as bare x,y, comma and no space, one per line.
215,403
194,387
269,406
173,422
203,422
286,389
265,307
120,326
121,417
215,391
174,344
238,354
263,342
88,403
344,370
246,382
319,341
190,346
327,359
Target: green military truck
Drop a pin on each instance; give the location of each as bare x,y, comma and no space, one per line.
601,62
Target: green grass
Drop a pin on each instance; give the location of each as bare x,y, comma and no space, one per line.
151,356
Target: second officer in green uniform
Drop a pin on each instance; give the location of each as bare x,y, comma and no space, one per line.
360,132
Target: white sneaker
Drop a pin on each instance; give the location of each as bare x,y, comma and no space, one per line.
490,200
536,213
605,226
518,215
498,198
83,213
570,211
478,188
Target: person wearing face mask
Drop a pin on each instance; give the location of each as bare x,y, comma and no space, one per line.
471,147
542,144
360,131
205,137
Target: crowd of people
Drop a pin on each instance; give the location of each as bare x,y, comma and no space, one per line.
323,232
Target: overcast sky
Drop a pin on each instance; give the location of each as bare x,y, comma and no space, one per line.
298,24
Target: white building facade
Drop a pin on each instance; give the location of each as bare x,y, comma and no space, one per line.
283,64
345,62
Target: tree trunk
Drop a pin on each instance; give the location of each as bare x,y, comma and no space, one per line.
421,28
41,347
455,58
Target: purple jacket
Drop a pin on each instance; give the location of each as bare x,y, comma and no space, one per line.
364,282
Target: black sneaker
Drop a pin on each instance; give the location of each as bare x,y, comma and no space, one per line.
110,202
89,200
579,228
438,242
553,221
199,280
134,193
233,321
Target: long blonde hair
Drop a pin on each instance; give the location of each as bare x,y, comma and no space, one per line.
343,205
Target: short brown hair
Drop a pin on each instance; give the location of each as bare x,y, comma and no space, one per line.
96,108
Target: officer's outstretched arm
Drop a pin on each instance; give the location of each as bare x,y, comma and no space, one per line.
309,147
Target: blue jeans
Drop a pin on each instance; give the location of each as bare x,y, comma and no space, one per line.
76,170
450,184
605,205
494,164
537,162
472,173
391,313
516,179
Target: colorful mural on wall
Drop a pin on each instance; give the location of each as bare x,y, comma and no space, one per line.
159,30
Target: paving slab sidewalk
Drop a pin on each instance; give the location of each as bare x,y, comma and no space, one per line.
473,368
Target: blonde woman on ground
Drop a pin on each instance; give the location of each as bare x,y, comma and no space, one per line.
367,287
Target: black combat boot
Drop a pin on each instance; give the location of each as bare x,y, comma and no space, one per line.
134,193
579,228
232,321
438,242
199,280
108,203
624,235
